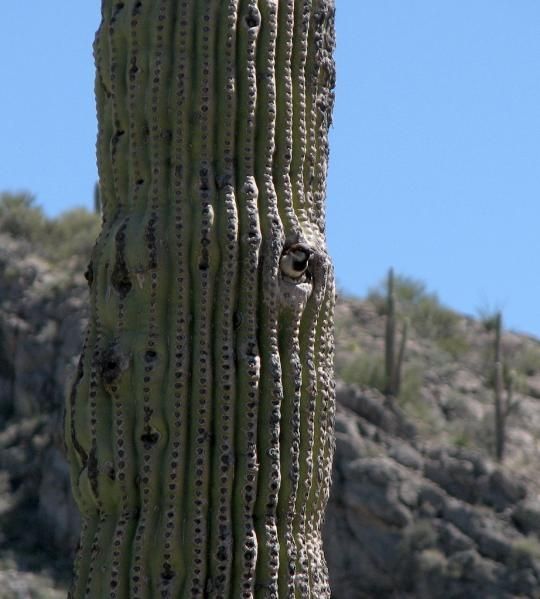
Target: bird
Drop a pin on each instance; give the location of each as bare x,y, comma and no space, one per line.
294,260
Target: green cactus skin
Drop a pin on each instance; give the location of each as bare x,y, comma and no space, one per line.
199,426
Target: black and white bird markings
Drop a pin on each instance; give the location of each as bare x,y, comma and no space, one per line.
294,260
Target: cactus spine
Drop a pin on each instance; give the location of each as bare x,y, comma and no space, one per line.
199,427
393,363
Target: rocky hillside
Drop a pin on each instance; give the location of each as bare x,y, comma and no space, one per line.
418,519
447,388
418,509
42,318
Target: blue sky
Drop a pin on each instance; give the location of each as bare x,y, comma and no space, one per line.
435,155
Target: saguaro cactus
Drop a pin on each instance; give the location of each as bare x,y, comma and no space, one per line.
504,404
199,427
393,363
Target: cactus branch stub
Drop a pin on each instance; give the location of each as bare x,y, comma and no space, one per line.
199,428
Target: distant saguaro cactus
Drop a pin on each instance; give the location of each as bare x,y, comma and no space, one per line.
504,404
199,427
392,362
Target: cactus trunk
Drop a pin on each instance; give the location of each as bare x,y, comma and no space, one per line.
199,427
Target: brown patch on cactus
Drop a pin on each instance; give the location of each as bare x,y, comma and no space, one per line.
120,278
113,364
92,468
115,139
109,470
149,438
89,273
237,319
204,259
118,7
150,356
105,89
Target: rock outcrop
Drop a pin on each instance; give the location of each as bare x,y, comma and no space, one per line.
42,318
416,520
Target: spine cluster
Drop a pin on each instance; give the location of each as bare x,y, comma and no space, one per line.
199,427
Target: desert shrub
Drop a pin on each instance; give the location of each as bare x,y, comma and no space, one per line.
69,236
343,325
527,360
525,550
20,217
454,344
418,535
512,371
431,561
364,370
73,233
462,440
472,433
424,413
367,370
411,384
432,320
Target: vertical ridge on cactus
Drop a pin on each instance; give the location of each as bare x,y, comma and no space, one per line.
199,427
